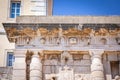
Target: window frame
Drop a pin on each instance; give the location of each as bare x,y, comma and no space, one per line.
15,8
8,64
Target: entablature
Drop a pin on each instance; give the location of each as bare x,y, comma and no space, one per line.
65,35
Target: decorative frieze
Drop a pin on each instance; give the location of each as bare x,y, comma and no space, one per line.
54,37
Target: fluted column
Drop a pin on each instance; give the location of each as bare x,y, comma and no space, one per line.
97,71
19,66
36,67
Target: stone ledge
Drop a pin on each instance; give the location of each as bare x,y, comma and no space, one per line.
68,19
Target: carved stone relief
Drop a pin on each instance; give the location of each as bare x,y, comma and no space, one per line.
82,77
73,40
66,73
66,57
118,40
42,40
103,41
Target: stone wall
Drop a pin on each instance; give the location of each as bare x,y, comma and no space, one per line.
5,73
80,63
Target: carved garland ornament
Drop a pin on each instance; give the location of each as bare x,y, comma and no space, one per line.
56,32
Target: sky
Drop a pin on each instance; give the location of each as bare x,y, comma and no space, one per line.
86,7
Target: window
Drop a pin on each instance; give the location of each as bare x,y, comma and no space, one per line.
10,59
15,9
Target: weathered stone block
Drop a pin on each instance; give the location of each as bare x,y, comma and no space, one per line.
86,56
35,73
108,77
19,59
47,69
97,67
82,69
77,62
19,65
98,74
35,66
112,57
82,76
19,78
85,62
35,78
70,62
19,73
47,62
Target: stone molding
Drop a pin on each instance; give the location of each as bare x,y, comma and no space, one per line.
68,19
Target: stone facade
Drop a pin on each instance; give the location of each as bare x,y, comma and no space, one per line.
65,48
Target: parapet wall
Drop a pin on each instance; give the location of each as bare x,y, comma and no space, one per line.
69,19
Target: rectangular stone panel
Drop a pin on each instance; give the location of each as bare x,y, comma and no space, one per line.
85,62
47,62
19,59
82,62
19,66
50,62
86,56
106,65
112,57
77,62
19,73
108,77
70,62
82,69
47,69
19,78
57,69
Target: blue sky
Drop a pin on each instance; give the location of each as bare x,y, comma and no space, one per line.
86,7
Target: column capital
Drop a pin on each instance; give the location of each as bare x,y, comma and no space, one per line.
93,52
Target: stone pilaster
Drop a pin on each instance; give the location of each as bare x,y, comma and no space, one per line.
19,66
97,71
36,67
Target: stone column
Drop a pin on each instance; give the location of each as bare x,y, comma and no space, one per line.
97,71
19,66
36,67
